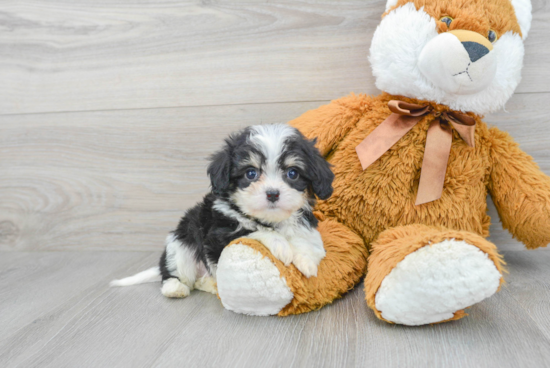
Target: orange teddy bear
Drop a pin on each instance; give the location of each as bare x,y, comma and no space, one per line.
413,167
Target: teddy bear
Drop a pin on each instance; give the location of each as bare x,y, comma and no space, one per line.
413,167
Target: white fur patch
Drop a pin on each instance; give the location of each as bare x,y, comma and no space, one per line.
270,139
149,275
390,4
249,283
434,282
172,288
396,48
180,262
523,10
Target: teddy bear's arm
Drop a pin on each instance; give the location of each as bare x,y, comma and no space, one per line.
520,191
330,123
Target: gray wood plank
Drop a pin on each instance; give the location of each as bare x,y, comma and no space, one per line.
111,179
483,339
89,55
92,55
97,326
37,304
529,283
535,75
36,284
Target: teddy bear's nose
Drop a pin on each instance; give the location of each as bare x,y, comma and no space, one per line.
475,50
475,44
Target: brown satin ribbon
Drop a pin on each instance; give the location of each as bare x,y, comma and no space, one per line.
438,142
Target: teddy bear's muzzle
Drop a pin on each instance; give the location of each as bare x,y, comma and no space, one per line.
459,62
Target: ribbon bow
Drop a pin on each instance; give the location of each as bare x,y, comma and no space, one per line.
438,142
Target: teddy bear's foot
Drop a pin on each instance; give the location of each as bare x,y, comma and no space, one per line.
250,283
253,281
433,283
433,277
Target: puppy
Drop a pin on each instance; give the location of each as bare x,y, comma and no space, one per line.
264,182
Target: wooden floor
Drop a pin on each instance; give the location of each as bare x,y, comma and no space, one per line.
56,310
108,111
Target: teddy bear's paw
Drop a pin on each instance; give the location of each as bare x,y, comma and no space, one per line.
250,283
432,283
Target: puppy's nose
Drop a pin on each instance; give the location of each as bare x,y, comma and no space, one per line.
475,50
272,195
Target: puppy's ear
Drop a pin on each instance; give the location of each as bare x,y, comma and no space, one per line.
318,170
219,170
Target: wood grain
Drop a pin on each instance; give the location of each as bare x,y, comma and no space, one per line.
98,55
528,283
87,55
111,179
34,284
96,326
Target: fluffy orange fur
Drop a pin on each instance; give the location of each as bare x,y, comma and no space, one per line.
383,196
377,204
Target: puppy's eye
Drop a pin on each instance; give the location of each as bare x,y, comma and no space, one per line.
447,21
492,36
251,174
292,174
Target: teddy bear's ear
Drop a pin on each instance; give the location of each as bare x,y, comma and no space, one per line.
390,4
523,14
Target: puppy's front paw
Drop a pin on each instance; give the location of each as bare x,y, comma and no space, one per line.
280,248
277,245
305,265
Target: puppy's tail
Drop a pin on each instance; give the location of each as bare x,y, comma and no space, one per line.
150,275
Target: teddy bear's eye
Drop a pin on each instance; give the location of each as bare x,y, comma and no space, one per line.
447,21
492,36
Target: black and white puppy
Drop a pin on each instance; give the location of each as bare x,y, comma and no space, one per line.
264,183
